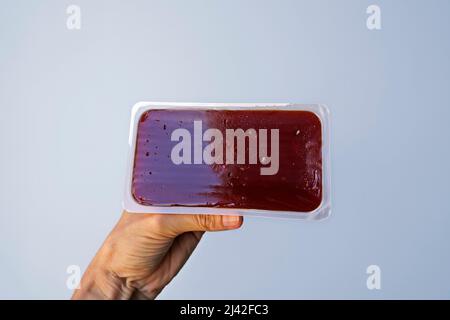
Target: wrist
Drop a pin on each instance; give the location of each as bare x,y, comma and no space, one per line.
99,282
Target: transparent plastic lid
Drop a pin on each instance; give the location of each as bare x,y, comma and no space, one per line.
268,160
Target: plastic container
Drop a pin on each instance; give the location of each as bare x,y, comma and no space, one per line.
157,182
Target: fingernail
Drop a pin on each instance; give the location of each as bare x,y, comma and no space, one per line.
230,221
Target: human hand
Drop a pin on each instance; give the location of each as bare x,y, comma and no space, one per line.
144,252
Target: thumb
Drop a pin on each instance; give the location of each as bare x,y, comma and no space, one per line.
181,223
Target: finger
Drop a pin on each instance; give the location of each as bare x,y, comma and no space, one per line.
199,222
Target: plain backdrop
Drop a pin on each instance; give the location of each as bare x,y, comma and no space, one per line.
65,101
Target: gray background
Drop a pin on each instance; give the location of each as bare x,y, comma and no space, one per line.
65,99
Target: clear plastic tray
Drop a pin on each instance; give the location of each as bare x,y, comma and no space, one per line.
321,111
